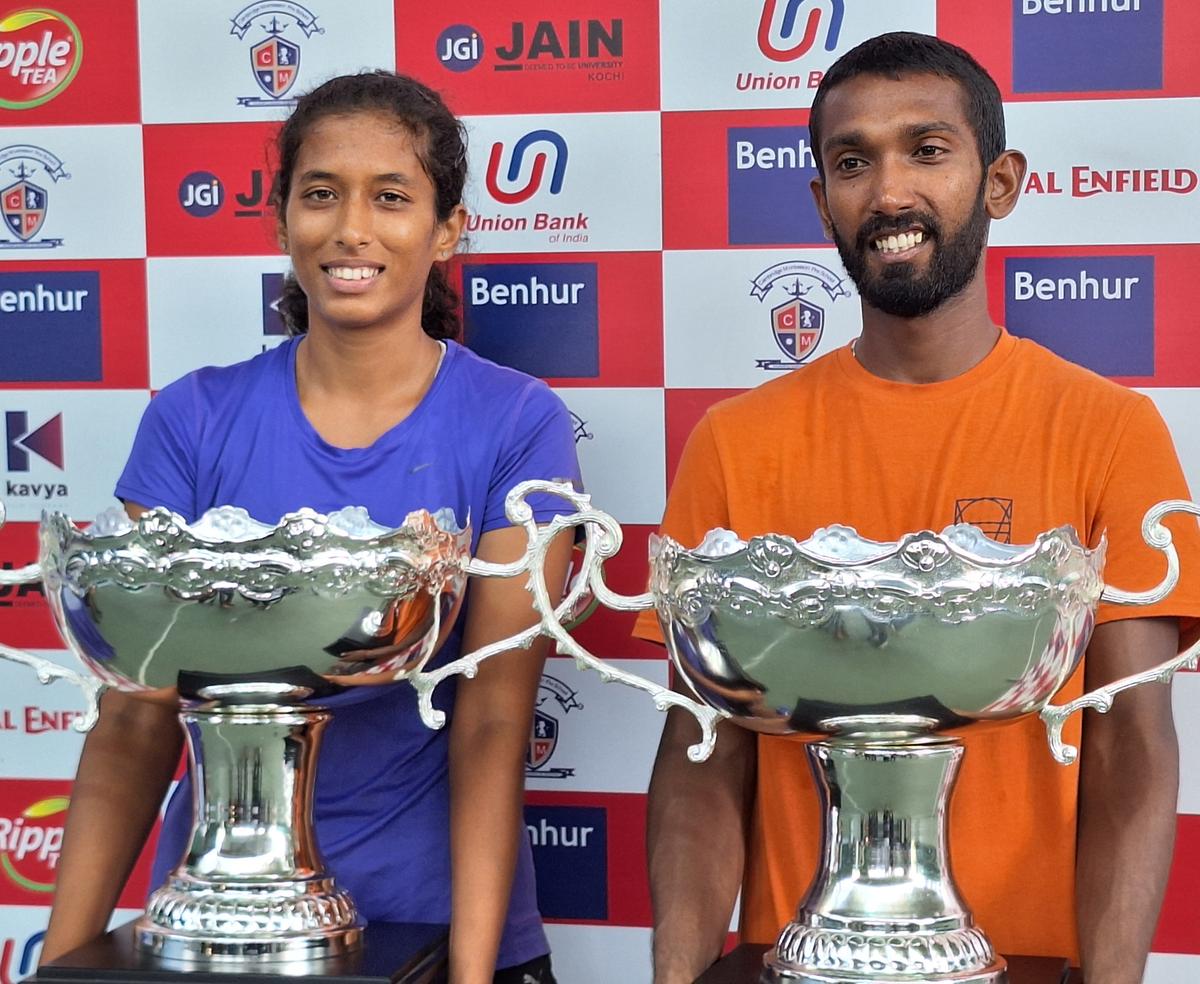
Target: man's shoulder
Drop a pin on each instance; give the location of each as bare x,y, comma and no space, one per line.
754,406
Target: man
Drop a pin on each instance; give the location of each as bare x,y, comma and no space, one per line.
933,414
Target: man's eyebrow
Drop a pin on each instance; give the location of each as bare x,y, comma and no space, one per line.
847,138
934,126
856,138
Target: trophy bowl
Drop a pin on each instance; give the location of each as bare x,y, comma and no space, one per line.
883,653
247,626
841,635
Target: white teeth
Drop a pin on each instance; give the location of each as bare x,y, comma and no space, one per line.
353,273
894,244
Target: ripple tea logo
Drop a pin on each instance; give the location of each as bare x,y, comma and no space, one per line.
29,844
40,54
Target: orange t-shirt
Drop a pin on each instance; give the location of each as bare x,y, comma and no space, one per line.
1021,443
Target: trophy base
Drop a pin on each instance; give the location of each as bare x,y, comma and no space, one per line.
775,972
188,920
392,953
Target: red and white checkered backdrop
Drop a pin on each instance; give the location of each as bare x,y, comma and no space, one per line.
640,208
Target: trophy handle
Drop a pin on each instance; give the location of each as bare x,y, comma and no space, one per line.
46,670
1054,716
602,539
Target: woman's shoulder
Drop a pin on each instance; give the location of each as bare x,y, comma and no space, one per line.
212,385
489,384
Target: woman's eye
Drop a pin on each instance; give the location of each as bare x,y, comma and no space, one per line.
391,197
320,194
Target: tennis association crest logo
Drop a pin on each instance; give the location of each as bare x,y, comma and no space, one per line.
25,201
543,736
275,58
797,319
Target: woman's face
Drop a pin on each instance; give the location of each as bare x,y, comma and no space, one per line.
360,223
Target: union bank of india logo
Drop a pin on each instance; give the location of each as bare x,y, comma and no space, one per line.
798,309
275,57
543,735
25,201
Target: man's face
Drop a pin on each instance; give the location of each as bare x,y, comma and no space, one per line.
903,194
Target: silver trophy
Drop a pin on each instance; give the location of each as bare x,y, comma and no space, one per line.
248,626
887,650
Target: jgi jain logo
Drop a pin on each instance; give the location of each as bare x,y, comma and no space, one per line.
275,59
24,202
797,322
543,736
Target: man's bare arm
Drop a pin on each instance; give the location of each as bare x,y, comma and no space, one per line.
697,822
1128,784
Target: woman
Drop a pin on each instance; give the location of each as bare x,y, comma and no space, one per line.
372,403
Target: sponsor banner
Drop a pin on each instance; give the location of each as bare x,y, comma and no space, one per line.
769,53
22,928
600,954
250,59
1176,931
684,409
38,739
210,311
734,320
619,440
573,745
607,633
563,184
589,852
45,77
1121,311
568,56
70,192
1104,174
77,325
738,179
1079,49
23,610
32,812
207,188
64,450
543,314
1180,408
1185,696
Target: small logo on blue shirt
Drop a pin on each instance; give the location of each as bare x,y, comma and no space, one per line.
1097,311
1087,45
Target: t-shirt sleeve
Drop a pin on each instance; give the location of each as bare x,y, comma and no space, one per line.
1145,470
696,504
161,469
540,445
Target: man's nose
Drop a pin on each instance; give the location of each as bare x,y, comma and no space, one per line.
892,187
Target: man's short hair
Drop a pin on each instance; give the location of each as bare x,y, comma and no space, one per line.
903,53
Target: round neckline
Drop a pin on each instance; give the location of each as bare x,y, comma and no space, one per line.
388,438
863,379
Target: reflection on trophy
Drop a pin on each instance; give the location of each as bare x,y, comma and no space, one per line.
248,627
886,651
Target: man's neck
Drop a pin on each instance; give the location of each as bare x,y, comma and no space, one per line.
938,346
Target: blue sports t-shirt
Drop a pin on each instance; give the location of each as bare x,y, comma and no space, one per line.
237,436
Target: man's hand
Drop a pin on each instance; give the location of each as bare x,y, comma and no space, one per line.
1128,784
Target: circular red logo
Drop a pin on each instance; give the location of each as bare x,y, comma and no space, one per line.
40,52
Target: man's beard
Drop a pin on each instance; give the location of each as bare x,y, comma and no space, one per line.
897,289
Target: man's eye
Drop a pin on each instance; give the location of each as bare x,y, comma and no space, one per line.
850,163
391,197
930,150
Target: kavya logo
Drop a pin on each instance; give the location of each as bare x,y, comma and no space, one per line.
20,959
46,441
24,203
275,59
30,842
798,322
459,48
537,170
543,734
580,427
777,27
26,595
40,54
273,325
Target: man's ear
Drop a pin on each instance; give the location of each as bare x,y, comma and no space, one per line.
817,187
1004,182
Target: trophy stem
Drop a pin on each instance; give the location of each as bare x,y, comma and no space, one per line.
883,905
252,884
